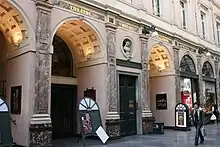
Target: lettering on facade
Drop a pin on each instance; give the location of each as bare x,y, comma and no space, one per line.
165,39
80,10
127,26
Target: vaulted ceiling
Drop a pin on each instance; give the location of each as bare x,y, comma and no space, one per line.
159,58
12,23
81,38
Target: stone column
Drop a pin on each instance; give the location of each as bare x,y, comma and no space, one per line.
177,73
199,68
112,118
217,82
147,119
40,126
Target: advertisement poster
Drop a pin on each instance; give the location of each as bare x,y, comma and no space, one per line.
181,119
87,124
186,93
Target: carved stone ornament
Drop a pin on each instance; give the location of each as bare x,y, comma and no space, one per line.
127,48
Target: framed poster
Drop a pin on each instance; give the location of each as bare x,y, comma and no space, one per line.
86,123
161,101
16,99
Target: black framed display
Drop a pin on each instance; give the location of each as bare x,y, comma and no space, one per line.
181,117
16,99
161,101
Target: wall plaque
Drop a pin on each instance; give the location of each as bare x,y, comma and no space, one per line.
16,100
161,101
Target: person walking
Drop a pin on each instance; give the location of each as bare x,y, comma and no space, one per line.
198,120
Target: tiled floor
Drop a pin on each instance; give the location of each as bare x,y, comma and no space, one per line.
171,138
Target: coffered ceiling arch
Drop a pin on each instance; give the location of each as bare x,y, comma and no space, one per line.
159,58
12,24
82,39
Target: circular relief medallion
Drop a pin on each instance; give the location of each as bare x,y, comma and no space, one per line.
127,48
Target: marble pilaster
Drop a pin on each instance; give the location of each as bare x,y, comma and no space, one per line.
199,68
112,118
217,82
147,119
177,73
40,126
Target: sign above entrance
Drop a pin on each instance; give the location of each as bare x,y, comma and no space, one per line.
70,6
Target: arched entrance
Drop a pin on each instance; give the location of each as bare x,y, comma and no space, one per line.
15,66
188,81
75,46
13,32
209,86
161,84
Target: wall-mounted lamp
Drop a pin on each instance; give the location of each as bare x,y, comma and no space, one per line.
208,54
150,30
89,56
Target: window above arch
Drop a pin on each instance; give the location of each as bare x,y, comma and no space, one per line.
187,64
62,59
207,70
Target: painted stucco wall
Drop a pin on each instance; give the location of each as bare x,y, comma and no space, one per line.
94,76
20,71
160,85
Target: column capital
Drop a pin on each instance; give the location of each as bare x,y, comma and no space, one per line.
144,37
44,4
110,26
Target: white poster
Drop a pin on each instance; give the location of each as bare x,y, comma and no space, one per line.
102,134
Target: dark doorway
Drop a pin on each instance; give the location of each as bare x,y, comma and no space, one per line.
127,94
63,110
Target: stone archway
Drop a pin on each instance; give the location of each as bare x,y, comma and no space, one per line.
161,84
78,42
14,66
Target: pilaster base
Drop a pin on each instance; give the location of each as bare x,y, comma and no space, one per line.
113,128
147,125
113,125
40,132
147,121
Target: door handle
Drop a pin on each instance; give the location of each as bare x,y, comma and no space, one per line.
131,113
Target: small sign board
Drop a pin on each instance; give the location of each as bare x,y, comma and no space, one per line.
90,120
161,101
16,100
5,125
181,117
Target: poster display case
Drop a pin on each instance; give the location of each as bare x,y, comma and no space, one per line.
181,117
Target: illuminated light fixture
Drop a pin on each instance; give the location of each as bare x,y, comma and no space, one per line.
154,33
89,54
17,38
208,54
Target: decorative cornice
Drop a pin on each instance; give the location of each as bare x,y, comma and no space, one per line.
128,18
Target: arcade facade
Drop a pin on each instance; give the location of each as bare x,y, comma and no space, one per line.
51,60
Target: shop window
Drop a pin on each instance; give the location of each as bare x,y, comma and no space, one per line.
61,59
207,70
187,64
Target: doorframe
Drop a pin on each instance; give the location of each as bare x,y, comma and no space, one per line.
138,97
64,81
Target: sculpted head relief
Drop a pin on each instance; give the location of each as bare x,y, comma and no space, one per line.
127,48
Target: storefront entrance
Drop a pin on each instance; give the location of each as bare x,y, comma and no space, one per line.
188,82
127,104
63,110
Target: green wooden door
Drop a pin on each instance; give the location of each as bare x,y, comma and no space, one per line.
127,94
63,110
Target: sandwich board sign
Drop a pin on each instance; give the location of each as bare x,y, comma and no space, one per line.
5,125
90,120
